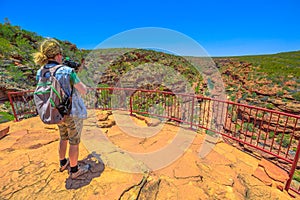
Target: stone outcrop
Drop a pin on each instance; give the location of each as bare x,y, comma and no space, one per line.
274,171
271,174
3,131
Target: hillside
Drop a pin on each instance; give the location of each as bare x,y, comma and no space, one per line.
270,81
17,67
140,68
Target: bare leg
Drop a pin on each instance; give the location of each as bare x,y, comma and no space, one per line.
73,155
62,149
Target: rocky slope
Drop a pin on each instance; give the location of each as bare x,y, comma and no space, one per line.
248,84
17,69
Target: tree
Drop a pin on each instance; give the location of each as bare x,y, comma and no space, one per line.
6,21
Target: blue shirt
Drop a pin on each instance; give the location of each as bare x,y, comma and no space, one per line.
67,77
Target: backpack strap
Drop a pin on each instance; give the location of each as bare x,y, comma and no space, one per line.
52,70
44,71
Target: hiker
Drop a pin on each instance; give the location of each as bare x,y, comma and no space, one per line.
49,56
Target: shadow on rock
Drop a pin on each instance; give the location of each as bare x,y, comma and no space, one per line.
96,168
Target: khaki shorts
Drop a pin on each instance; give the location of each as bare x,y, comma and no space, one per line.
71,129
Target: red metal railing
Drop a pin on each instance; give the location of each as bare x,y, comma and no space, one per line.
272,132
22,104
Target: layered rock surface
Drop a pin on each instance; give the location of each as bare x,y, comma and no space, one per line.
206,168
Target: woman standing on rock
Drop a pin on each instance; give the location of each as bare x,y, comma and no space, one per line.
50,56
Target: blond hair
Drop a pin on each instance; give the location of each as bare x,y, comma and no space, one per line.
49,48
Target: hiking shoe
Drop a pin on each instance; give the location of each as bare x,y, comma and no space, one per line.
64,167
81,170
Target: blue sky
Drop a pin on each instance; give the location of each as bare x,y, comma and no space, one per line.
221,27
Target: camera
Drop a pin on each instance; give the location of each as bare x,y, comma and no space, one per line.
70,63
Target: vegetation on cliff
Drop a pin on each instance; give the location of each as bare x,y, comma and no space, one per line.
18,70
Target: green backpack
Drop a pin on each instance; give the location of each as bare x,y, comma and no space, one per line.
51,102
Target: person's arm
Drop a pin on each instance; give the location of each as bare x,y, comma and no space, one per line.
81,88
78,84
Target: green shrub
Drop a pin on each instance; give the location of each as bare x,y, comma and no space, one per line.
262,136
7,31
103,85
5,47
5,117
197,89
279,93
254,95
285,140
238,127
16,73
248,127
244,96
270,106
232,98
25,49
286,88
297,175
271,135
296,96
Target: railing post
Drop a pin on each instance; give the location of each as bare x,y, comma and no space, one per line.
294,165
12,106
192,114
130,103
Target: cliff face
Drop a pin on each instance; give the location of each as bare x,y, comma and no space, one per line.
250,84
